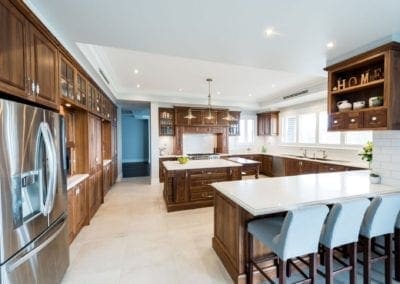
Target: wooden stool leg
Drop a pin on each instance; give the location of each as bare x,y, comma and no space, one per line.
353,263
367,260
397,254
328,265
388,260
313,267
322,255
282,271
250,257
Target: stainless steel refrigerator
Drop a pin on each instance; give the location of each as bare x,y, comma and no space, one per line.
33,197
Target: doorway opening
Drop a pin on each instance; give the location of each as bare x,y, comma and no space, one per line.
135,120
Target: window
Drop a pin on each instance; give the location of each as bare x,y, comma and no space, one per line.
246,131
289,129
312,128
357,137
307,128
325,137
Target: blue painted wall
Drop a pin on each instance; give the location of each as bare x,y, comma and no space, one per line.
135,139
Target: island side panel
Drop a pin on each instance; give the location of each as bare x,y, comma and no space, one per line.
189,189
230,239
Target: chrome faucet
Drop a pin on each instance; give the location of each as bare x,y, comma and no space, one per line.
304,153
324,154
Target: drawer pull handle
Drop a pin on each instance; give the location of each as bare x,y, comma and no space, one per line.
352,120
335,121
374,118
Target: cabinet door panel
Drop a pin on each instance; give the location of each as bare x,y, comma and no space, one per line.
13,52
44,68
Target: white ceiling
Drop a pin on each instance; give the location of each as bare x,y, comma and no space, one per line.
178,43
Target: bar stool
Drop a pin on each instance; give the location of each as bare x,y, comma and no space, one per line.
295,235
342,227
397,250
379,220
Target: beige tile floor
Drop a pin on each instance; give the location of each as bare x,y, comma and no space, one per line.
132,239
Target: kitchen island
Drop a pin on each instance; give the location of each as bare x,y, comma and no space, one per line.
187,186
240,201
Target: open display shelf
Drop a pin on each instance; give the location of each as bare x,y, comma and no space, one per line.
371,80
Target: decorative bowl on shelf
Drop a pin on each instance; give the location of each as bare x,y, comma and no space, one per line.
183,159
344,105
375,101
359,105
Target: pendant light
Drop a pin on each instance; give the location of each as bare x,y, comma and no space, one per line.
190,115
228,116
209,116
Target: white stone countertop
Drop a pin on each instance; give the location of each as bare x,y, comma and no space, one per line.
280,194
356,164
75,179
199,164
106,162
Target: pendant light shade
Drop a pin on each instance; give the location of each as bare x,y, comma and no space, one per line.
190,115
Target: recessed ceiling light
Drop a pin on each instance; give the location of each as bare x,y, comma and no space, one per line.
136,71
330,44
273,86
271,32
68,105
250,95
180,90
218,93
138,86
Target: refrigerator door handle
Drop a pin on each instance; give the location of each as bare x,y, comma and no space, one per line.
52,158
43,242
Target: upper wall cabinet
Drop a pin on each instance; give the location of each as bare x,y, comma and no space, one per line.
201,117
363,91
13,51
268,124
28,60
44,69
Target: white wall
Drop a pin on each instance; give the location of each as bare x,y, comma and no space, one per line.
154,141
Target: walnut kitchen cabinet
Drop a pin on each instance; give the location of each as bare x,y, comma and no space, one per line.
95,192
106,179
267,165
298,167
95,149
188,189
13,65
326,168
28,59
77,209
268,124
371,74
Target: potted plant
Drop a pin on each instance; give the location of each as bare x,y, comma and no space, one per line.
374,178
366,154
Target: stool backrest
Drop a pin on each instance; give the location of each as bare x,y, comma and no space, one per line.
343,223
381,216
398,222
301,230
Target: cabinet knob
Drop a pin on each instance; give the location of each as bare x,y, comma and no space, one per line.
374,118
352,120
335,121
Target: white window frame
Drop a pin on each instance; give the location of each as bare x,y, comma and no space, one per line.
297,113
246,142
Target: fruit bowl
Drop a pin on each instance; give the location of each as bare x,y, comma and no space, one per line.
183,159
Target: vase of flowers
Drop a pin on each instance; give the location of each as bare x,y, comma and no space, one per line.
366,154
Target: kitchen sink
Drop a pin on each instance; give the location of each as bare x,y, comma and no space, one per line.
316,159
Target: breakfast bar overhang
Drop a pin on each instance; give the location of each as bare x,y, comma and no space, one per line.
237,202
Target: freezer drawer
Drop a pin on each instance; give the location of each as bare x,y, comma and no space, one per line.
45,261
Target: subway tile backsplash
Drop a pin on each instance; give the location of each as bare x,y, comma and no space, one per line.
386,160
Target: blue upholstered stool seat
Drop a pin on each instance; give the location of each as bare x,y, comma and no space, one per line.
379,220
295,235
342,227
